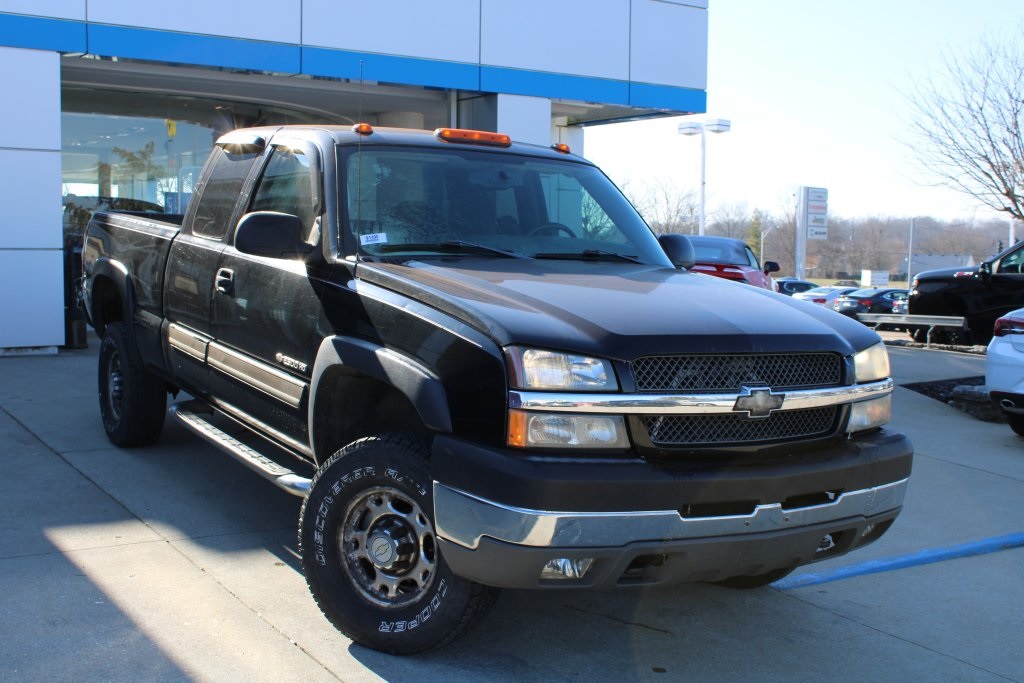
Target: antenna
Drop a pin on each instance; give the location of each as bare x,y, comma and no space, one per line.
359,118
357,219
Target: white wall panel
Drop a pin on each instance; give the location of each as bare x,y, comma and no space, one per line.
31,80
581,37
669,44
32,307
58,9
448,31
273,20
30,195
526,119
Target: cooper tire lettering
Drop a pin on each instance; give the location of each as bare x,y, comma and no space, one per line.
370,554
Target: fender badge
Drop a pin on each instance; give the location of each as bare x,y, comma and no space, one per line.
758,402
290,362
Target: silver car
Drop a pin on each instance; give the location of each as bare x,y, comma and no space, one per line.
826,296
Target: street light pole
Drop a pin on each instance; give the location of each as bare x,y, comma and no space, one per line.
701,128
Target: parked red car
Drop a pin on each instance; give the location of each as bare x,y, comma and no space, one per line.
731,259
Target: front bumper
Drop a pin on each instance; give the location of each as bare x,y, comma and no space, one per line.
501,517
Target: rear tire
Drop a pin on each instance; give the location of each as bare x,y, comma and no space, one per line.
370,553
133,401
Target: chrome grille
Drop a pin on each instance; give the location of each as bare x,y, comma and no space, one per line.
728,372
720,430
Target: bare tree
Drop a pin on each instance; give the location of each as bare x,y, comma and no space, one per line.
967,123
731,220
665,207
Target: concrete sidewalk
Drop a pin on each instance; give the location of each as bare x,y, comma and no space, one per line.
174,563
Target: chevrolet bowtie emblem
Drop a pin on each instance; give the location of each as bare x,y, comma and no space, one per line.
758,402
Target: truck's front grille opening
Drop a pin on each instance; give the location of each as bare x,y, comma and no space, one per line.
642,568
729,372
719,430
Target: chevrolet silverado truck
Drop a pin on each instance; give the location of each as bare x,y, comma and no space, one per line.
979,294
480,368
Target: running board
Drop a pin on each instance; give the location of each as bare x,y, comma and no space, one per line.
188,413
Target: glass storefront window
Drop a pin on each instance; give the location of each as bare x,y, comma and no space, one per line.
132,151
134,163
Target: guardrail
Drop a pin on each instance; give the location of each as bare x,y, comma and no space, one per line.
929,321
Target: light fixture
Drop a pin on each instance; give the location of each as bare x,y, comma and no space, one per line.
700,128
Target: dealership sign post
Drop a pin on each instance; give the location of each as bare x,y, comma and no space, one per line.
811,222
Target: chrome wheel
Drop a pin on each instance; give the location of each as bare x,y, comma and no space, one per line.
389,547
115,386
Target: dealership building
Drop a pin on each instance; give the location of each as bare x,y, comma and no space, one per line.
116,103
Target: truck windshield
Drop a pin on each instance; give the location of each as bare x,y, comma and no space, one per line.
401,202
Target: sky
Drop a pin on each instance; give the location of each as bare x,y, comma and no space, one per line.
816,92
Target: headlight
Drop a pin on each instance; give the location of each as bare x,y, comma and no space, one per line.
871,364
565,430
551,370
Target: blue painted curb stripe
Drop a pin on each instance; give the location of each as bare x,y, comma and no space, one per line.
982,547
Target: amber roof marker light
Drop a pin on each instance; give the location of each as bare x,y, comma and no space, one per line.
362,129
561,147
473,137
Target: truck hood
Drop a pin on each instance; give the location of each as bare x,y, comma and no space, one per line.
945,273
616,310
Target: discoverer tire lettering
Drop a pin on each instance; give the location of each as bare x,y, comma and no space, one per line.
370,554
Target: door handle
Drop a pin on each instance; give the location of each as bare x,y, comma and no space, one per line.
225,282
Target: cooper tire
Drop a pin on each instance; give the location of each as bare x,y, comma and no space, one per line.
133,401
370,554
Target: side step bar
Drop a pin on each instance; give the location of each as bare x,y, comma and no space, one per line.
189,414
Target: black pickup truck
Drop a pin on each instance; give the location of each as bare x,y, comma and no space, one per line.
481,369
979,294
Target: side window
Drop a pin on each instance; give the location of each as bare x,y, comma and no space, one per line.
287,187
1012,262
216,200
751,259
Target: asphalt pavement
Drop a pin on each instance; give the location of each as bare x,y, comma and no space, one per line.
175,563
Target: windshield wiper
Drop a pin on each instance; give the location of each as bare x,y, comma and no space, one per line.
591,254
450,246
483,247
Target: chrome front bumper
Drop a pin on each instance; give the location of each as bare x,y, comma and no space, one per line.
464,519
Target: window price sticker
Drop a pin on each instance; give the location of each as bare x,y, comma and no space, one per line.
373,238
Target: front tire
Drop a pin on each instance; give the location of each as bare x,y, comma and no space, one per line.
370,553
133,401
1016,422
756,581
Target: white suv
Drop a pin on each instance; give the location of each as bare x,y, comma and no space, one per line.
1004,368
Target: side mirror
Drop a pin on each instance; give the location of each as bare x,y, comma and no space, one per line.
985,269
679,250
771,267
273,234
